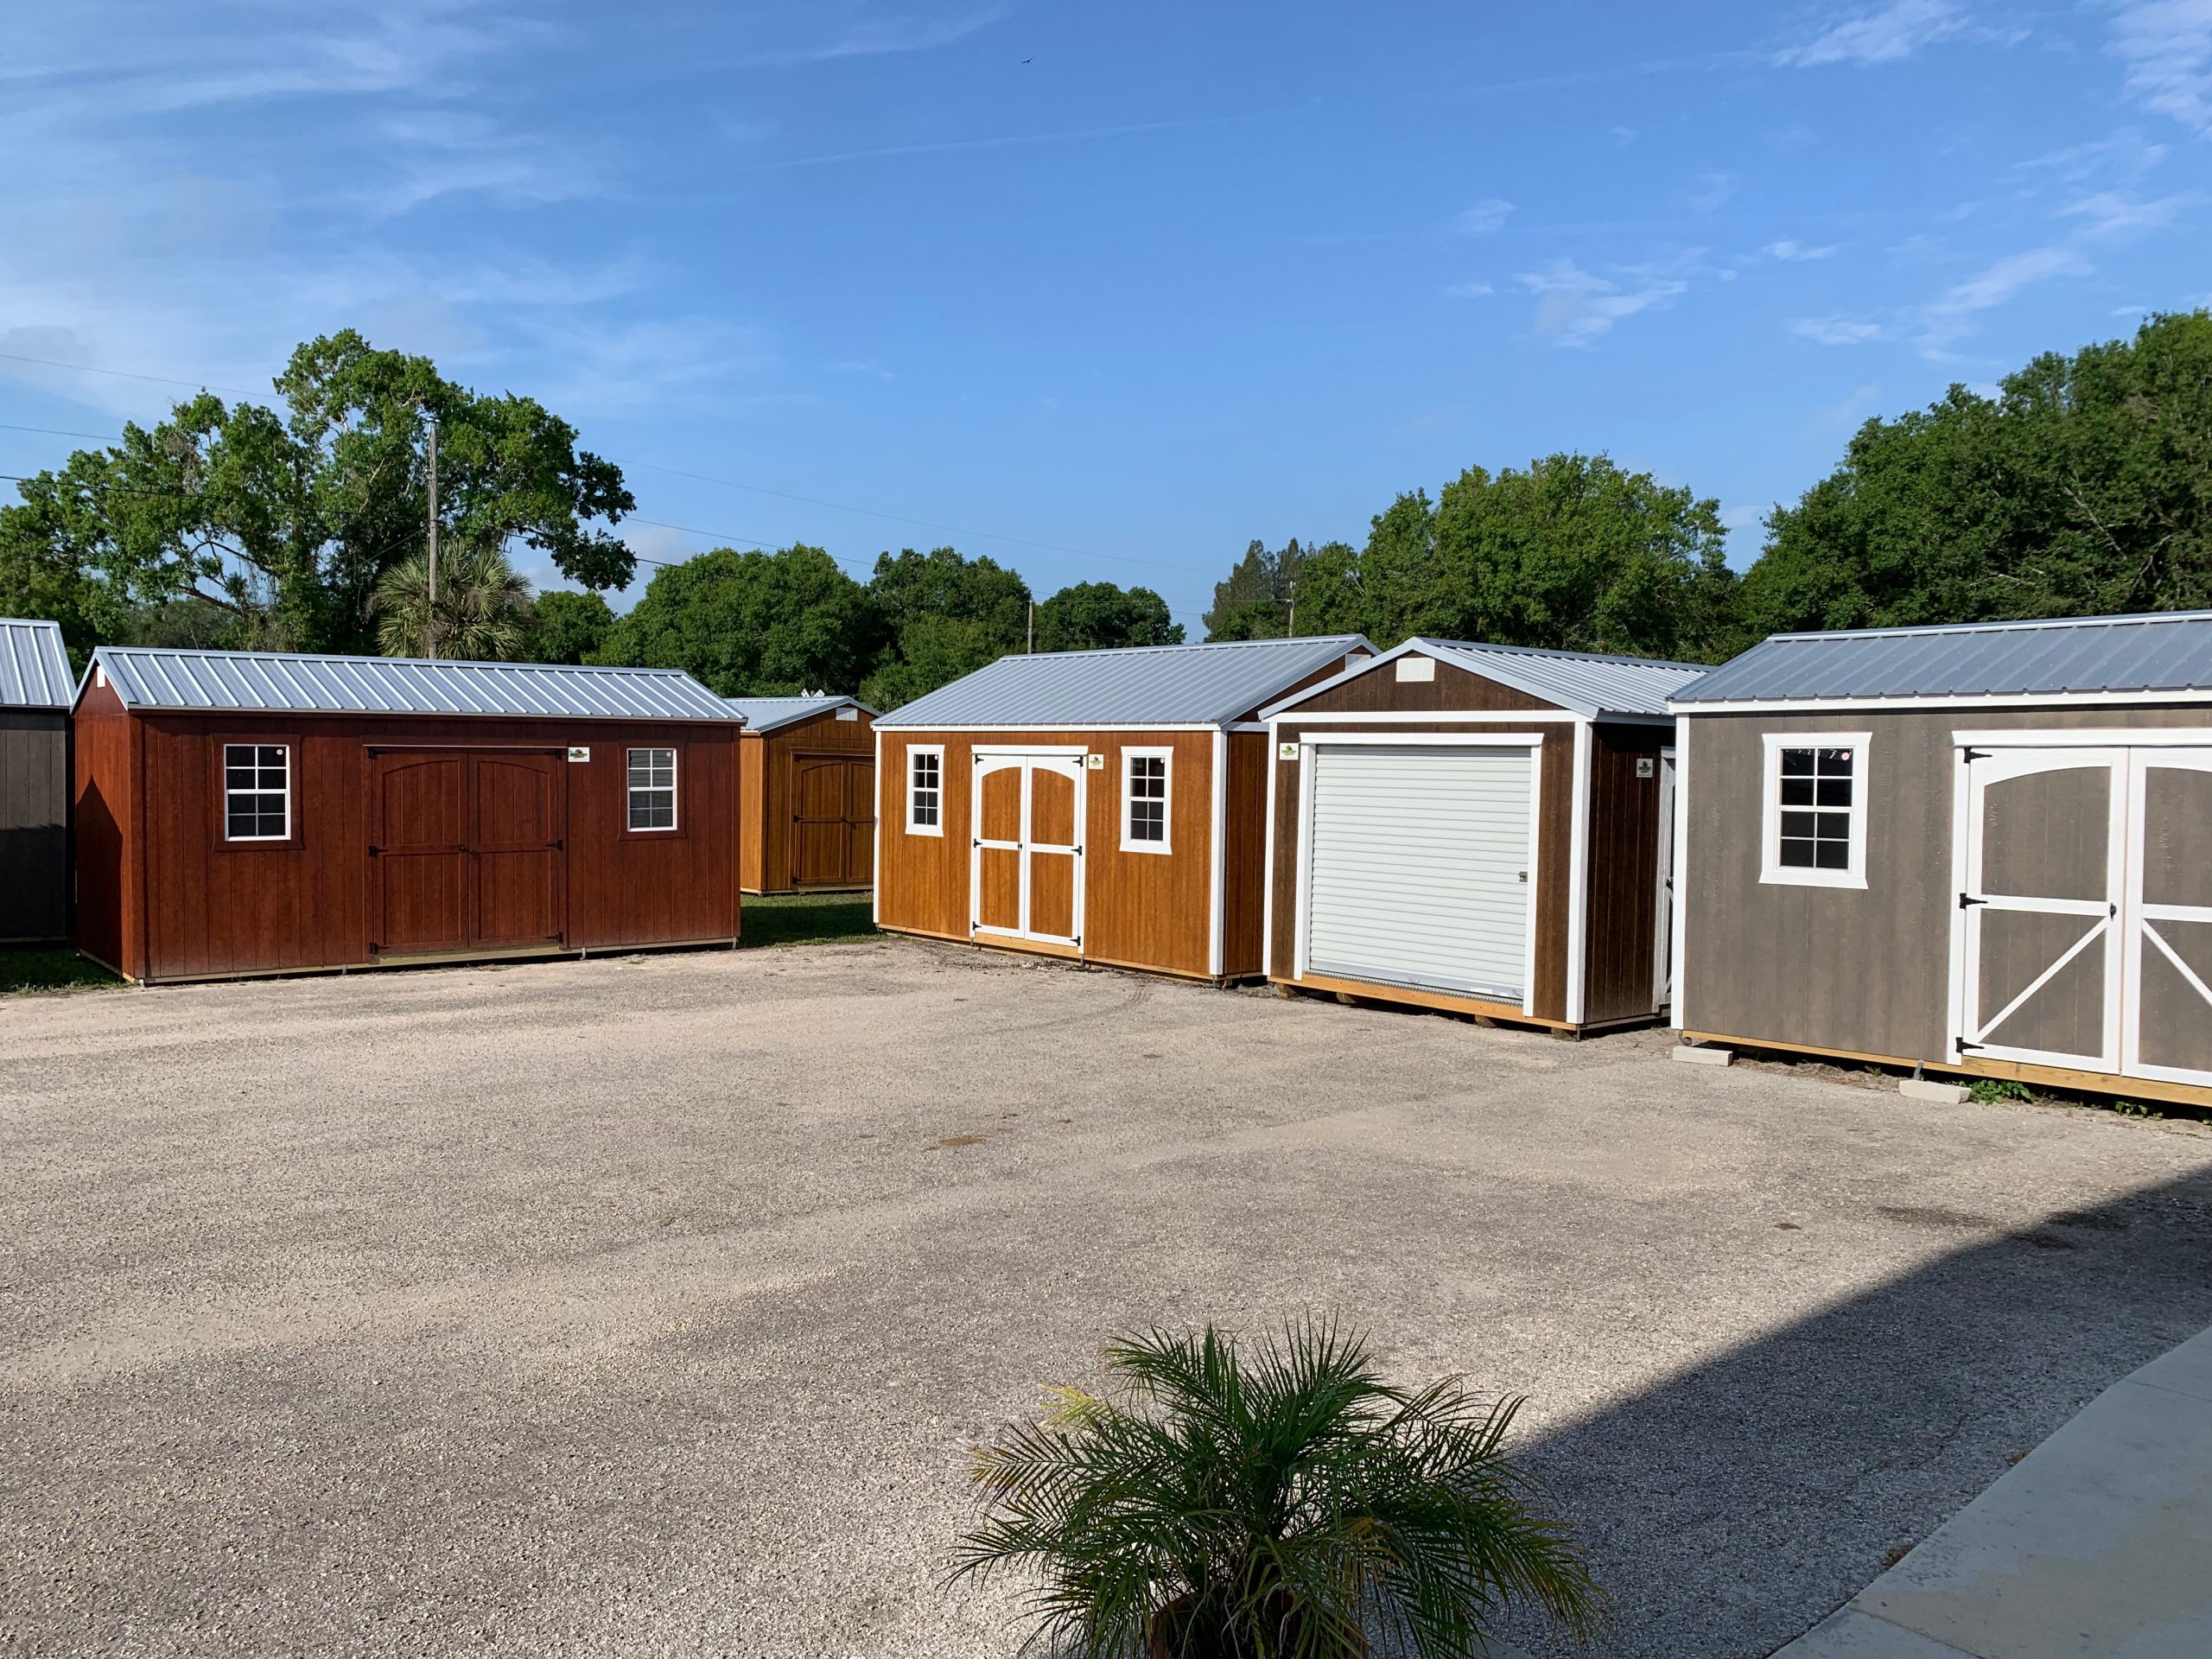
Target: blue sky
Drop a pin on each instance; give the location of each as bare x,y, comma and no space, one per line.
1108,290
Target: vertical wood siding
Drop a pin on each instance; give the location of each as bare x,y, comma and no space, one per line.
1624,874
1864,970
35,792
1243,873
215,907
110,901
770,809
1142,910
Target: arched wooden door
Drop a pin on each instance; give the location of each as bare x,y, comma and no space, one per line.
466,851
833,820
1026,868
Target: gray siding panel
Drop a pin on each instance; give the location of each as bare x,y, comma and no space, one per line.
1864,970
34,825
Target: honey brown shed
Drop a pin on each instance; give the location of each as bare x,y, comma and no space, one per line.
806,779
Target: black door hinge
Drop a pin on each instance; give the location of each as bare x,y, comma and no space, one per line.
558,845
1972,755
1967,900
1961,1044
376,852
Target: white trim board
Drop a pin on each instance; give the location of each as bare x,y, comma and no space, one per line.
1106,727
1680,920
1963,700
1423,717
1578,879
2086,737
1216,883
1397,739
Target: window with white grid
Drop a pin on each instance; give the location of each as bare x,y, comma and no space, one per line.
257,792
653,789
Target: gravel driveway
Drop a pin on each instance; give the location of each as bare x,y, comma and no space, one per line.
650,1307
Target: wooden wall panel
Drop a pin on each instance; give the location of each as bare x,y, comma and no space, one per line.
1146,909
769,798
1379,691
35,793
1245,870
1624,872
752,872
219,908
111,909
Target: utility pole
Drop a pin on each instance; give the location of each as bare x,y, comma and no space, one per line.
430,613
1291,587
1032,646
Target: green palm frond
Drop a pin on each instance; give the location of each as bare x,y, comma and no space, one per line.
1273,1501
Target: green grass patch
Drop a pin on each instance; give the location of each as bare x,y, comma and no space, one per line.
806,919
49,968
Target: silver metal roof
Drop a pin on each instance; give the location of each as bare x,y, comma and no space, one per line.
1635,687
766,714
2065,656
148,677
1141,685
34,667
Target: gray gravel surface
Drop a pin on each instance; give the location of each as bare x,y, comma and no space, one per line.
652,1307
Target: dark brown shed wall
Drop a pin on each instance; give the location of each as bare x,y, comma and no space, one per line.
1620,956
111,903
1864,970
34,789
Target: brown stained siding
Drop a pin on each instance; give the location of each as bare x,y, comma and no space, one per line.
109,902
1554,831
1623,878
769,815
1244,893
753,820
1146,909
1380,690
34,789
1864,970
212,908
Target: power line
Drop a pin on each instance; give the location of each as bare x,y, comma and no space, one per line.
125,374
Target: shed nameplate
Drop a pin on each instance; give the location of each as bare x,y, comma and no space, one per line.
578,755
1095,762
1416,668
1645,766
1285,751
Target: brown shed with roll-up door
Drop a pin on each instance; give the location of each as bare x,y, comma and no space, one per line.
1984,850
806,769
35,688
1101,805
245,813
1481,829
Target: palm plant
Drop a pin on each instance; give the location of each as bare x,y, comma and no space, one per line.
1277,1502
482,613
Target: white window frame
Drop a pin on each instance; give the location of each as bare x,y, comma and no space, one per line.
285,749
633,790
1166,759
914,752
1772,871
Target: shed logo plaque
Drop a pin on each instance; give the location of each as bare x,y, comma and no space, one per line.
1285,751
578,755
1095,762
1645,766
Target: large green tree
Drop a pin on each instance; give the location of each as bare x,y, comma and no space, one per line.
567,627
944,615
1254,601
2083,488
752,624
1571,553
1094,615
287,521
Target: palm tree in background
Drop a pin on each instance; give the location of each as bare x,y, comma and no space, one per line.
482,613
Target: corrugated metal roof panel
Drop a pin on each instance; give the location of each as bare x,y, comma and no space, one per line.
766,714
1583,681
1142,685
149,677
34,666
2059,657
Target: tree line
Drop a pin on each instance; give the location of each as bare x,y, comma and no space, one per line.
2081,486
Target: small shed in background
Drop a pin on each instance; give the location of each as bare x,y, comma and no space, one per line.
1483,828
1984,849
1104,805
807,785
245,812
36,689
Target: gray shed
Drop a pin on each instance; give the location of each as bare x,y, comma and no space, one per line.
1983,850
36,689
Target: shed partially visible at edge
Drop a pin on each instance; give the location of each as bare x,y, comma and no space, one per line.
806,777
1984,849
36,687
1477,828
246,812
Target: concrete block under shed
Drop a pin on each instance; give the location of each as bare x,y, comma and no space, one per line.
1947,1094
1692,1054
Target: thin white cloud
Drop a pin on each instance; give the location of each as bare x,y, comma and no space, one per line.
2109,213
1713,192
1839,331
1483,218
1952,314
2123,158
878,35
2167,47
1468,290
1848,413
1889,35
1798,251
1575,306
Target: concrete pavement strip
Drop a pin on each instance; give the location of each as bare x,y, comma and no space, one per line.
2094,1545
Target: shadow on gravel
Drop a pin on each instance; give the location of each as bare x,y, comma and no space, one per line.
1733,1507
806,919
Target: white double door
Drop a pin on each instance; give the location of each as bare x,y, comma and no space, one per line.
1026,866
2084,937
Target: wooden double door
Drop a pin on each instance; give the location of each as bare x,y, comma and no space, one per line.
1025,870
466,851
833,821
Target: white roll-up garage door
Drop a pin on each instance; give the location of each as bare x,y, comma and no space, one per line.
1422,863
